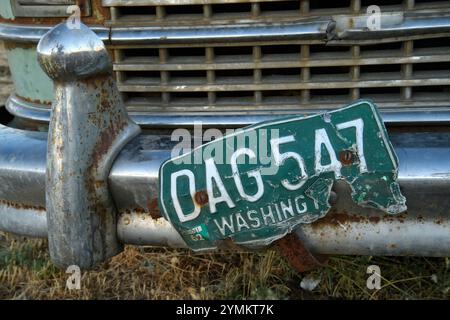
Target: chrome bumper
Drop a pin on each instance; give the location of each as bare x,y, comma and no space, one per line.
424,176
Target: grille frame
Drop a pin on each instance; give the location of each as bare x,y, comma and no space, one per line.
311,43
307,92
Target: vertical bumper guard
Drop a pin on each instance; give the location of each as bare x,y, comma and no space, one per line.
88,128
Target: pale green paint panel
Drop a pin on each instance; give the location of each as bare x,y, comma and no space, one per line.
29,80
6,10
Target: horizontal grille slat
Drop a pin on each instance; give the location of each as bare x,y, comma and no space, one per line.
282,61
288,83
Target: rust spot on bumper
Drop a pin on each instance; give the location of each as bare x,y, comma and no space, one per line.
21,206
153,209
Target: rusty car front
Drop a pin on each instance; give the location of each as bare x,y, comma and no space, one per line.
89,122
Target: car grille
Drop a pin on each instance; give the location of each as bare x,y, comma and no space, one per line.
285,76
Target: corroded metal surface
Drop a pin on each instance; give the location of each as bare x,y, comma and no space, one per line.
88,128
265,180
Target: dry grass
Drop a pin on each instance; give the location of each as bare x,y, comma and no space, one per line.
150,273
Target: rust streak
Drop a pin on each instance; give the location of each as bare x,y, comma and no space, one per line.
153,209
21,206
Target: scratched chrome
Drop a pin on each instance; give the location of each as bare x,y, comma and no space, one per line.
88,127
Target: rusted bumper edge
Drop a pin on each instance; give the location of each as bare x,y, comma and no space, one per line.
424,177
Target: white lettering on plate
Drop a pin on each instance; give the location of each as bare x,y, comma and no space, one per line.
176,202
213,174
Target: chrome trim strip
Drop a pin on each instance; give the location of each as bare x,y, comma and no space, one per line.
316,30
435,117
410,27
424,176
27,33
319,30
41,113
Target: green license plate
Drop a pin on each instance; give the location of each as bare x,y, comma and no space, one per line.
257,184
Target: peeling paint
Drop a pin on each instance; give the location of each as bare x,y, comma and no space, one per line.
256,203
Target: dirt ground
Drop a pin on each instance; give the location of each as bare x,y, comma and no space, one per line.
155,273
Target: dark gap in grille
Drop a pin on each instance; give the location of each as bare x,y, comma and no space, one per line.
230,77
431,93
234,73
381,3
328,4
428,1
280,6
380,68
329,70
368,92
186,52
236,94
436,66
280,72
432,43
321,48
234,8
328,52
279,96
382,46
142,98
227,98
183,98
426,89
281,93
233,50
189,94
280,49
428,4
187,9
382,50
142,74
325,92
337,95
136,11
132,53
194,77
153,95
276,98
188,74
